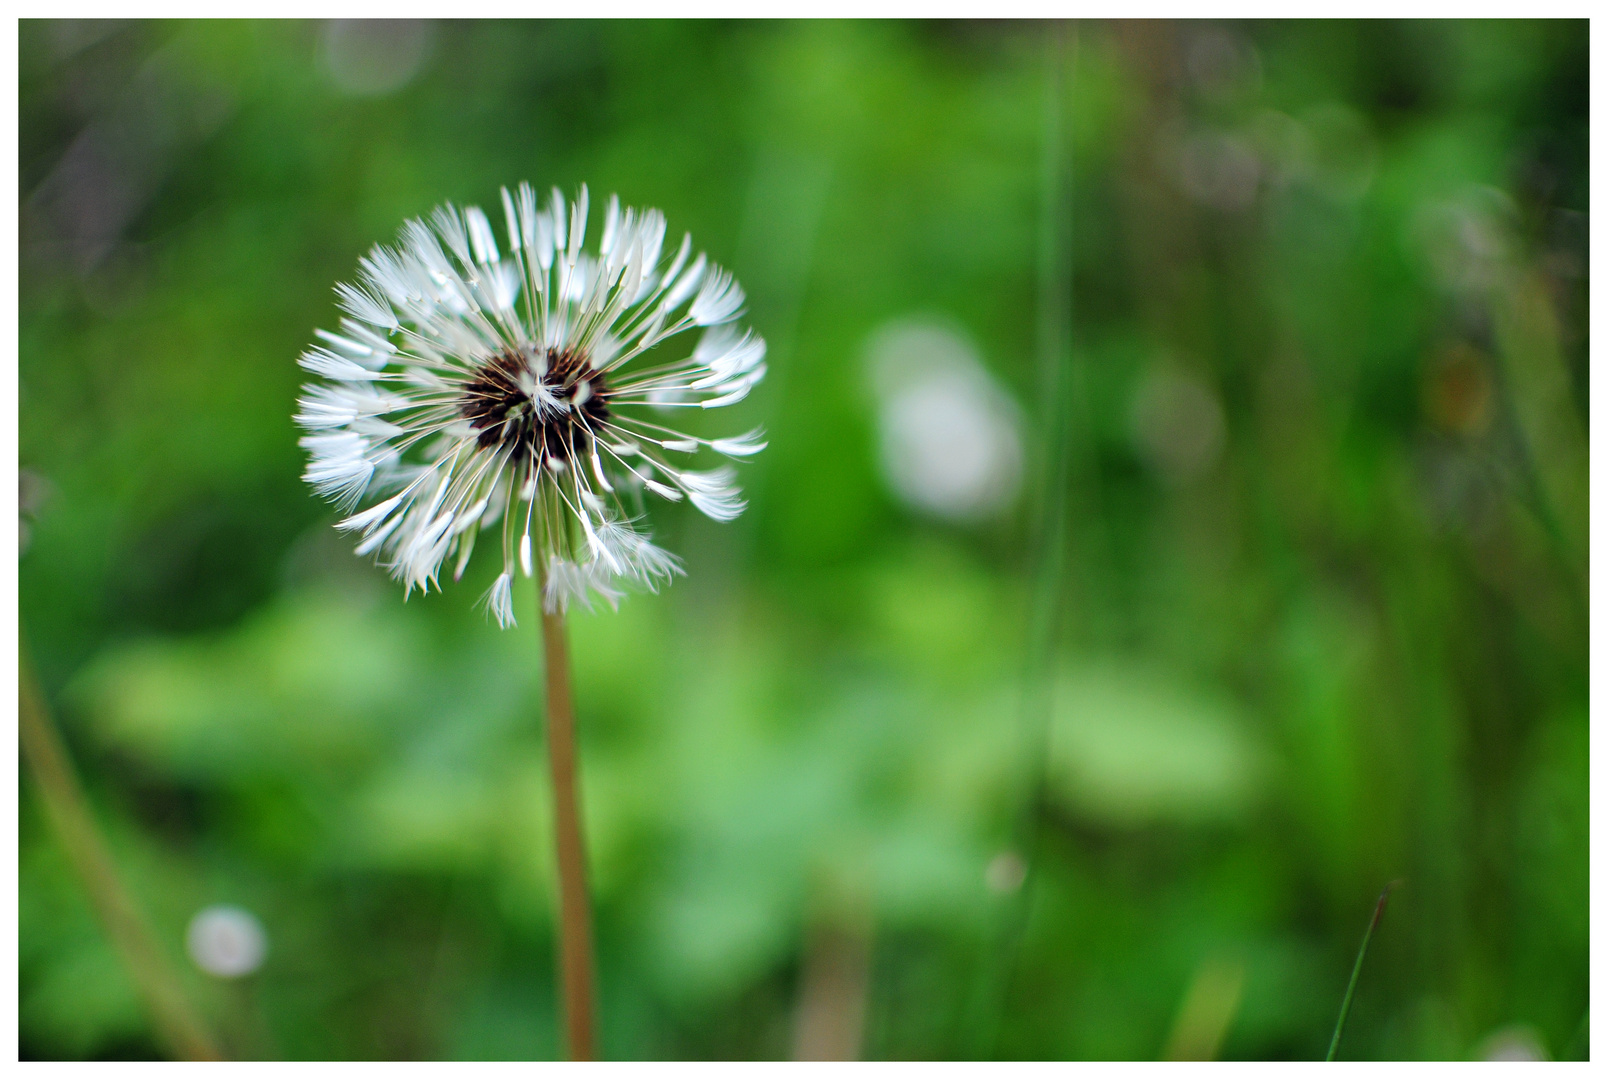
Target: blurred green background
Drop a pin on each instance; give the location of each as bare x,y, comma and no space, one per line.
1321,622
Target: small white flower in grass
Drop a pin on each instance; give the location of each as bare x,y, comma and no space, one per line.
226,941
476,384
951,442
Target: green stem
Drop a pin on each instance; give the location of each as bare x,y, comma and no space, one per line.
1356,969
1058,393
177,1024
575,919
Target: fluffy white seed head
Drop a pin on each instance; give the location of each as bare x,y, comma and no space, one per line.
226,941
495,385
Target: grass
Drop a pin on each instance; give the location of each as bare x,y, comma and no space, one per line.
1356,969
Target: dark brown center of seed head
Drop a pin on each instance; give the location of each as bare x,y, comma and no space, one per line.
558,423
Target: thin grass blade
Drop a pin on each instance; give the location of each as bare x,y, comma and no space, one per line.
1356,969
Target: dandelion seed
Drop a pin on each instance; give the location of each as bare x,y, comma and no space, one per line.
471,378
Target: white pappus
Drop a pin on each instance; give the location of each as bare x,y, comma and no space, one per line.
471,388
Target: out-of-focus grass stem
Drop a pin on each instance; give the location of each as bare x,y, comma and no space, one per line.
575,918
177,1024
1057,395
1356,969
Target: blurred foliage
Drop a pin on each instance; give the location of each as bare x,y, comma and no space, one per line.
1324,608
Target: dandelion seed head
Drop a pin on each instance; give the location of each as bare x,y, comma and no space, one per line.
226,941
485,383
951,443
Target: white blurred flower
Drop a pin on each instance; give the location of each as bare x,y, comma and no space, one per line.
471,387
226,941
950,441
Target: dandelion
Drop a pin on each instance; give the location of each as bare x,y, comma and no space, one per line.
530,391
471,389
226,941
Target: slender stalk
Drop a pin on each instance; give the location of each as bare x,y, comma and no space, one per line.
176,1023
1059,393
1356,969
575,918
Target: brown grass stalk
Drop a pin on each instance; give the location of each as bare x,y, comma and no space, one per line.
178,1026
575,918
